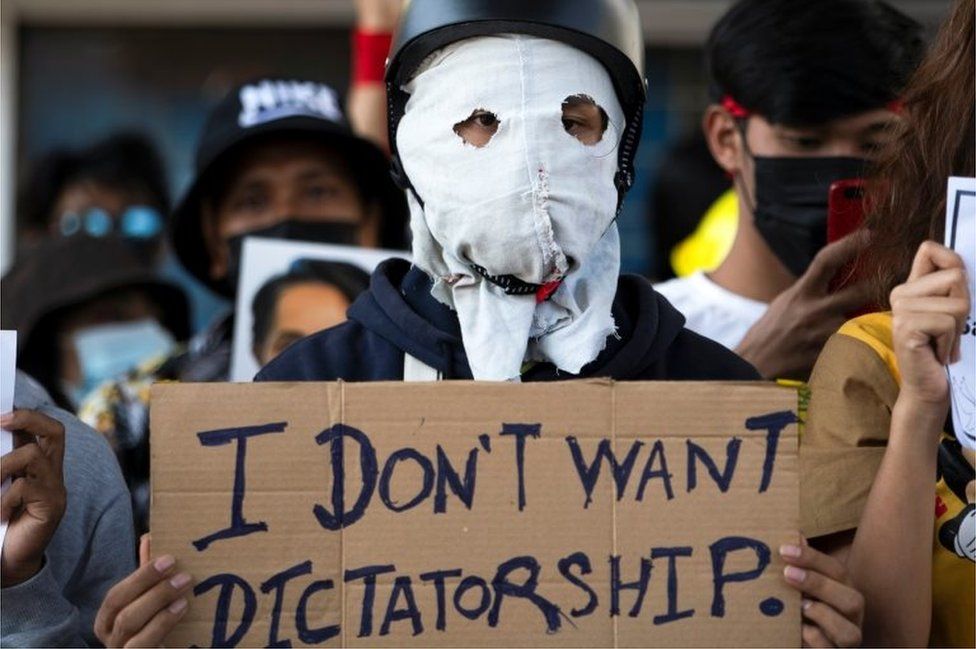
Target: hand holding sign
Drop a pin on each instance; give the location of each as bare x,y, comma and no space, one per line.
929,313
833,610
35,501
145,606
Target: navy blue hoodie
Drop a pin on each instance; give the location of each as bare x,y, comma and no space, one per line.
398,314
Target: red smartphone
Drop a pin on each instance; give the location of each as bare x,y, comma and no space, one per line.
845,213
845,208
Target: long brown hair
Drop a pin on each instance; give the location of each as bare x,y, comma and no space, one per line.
935,140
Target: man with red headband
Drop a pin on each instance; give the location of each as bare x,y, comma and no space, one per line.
802,96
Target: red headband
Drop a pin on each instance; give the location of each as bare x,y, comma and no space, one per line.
737,110
734,108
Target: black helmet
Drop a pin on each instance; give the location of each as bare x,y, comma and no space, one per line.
607,30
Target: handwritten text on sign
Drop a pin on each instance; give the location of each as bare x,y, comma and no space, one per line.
583,513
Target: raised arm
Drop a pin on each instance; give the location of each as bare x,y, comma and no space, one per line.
891,558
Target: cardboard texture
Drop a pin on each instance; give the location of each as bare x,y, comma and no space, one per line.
647,514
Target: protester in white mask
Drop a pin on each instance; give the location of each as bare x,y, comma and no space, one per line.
513,127
515,175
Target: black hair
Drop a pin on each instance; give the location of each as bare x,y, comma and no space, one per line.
802,63
348,279
125,161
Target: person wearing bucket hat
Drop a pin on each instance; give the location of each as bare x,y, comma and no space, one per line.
87,310
276,159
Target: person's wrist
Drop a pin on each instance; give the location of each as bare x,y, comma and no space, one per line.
923,401
377,21
372,26
19,572
920,417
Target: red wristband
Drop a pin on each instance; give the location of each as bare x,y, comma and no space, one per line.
369,52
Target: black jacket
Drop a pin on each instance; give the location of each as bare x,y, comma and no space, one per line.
398,314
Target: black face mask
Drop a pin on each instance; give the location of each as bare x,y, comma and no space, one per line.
293,229
791,204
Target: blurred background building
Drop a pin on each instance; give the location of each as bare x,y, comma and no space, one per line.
75,71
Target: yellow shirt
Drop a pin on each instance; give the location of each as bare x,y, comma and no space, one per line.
852,391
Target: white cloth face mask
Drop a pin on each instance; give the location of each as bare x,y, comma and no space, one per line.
534,202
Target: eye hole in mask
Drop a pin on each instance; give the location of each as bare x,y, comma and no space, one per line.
586,121
478,129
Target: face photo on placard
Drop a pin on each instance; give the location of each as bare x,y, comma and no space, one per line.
289,290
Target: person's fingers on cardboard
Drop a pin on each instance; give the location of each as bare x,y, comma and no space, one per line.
831,259
804,556
145,549
812,636
846,600
129,590
841,631
28,459
12,499
156,630
932,256
133,619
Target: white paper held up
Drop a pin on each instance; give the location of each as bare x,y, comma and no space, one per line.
8,363
960,235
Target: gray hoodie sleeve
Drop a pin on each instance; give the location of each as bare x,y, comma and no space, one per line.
93,548
36,614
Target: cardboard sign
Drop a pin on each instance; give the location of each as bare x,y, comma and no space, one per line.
265,260
960,235
582,513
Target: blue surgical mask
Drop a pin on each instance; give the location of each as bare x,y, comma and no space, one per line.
109,351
